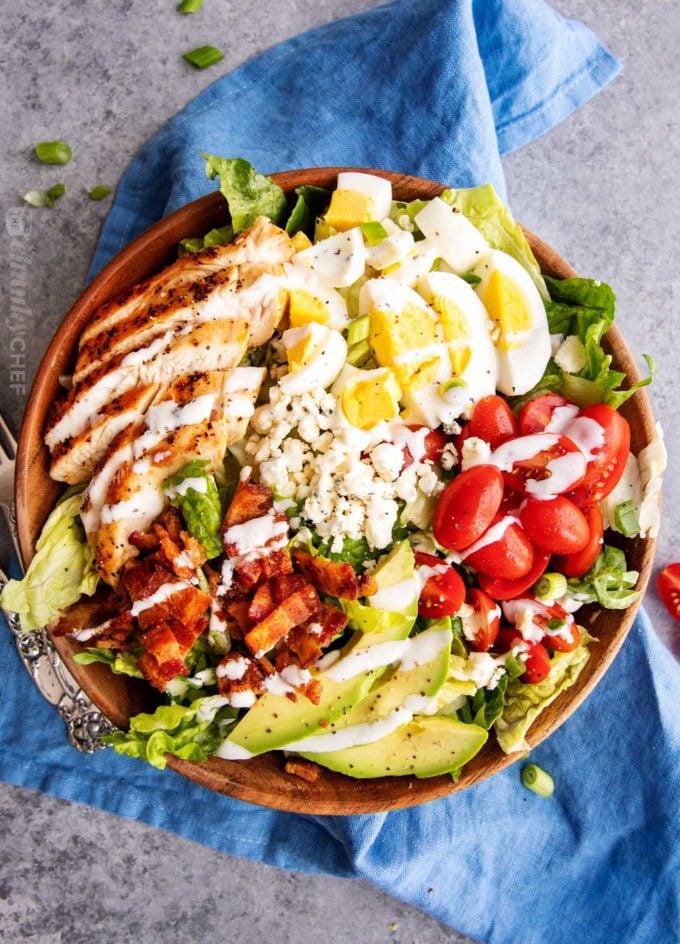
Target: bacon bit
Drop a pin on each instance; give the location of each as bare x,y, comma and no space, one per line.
325,723
117,633
250,501
304,769
158,674
313,691
251,680
238,611
89,611
291,696
143,541
298,608
162,643
308,641
277,563
194,549
262,604
333,577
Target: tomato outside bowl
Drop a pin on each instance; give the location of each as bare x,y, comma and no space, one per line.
263,780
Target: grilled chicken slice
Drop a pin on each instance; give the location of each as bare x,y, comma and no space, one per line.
207,346
196,417
218,282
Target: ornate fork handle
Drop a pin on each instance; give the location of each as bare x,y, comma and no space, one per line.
85,723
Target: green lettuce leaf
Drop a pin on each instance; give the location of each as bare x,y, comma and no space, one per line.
485,209
192,732
585,308
524,703
216,237
120,663
608,582
59,574
485,706
201,509
311,202
248,193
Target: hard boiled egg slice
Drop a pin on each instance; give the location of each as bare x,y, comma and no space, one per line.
391,250
310,301
417,262
367,397
470,367
316,355
377,189
404,333
459,243
517,322
337,261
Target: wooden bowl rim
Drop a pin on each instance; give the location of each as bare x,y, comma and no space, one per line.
269,785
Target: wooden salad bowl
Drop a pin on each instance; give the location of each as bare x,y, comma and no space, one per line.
263,780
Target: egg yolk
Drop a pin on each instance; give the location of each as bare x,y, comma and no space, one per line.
303,308
506,305
367,402
349,208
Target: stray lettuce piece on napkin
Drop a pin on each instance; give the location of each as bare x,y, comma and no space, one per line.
608,582
191,732
248,193
485,209
524,703
311,202
194,492
59,574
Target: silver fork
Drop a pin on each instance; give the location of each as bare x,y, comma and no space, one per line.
85,724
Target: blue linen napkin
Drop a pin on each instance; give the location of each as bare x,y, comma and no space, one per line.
438,88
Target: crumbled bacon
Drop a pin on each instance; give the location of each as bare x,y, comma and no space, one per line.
250,501
296,609
308,641
87,612
248,676
304,769
335,578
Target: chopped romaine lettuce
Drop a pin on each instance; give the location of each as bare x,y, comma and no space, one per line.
194,492
192,732
523,703
248,193
485,209
120,663
608,582
485,706
60,573
311,202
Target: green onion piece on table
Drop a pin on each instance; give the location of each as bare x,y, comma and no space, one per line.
190,6
99,192
53,152
551,586
358,330
203,57
44,198
538,781
374,233
626,519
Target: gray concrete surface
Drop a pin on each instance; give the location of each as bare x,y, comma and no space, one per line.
601,188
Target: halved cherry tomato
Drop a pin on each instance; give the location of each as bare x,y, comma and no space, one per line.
554,642
560,644
555,525
485,619
537,413
443,593
537,467
575,565
501,589
606,467
493,421
537,664
510,556
434,443
668,586
467,506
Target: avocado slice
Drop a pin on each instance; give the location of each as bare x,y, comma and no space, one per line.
274,720
425,747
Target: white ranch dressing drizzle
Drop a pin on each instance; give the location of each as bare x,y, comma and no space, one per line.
198,483
167,416
565,471
258,534
144,354
395,597
493,534
410,653
287,680
561,418
83,412
366,733
146,504
425,571
587,434
164,592
230,751
233,670
95,494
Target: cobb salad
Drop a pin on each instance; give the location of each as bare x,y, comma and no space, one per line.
340,480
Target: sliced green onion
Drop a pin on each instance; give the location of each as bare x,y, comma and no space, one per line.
99,192
374,233
358,330
551,586
203,584
514,667
556,625
190,6
203,57
471,278
358,353
456,627
626,519
538,781
450,384
53,152
44,198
